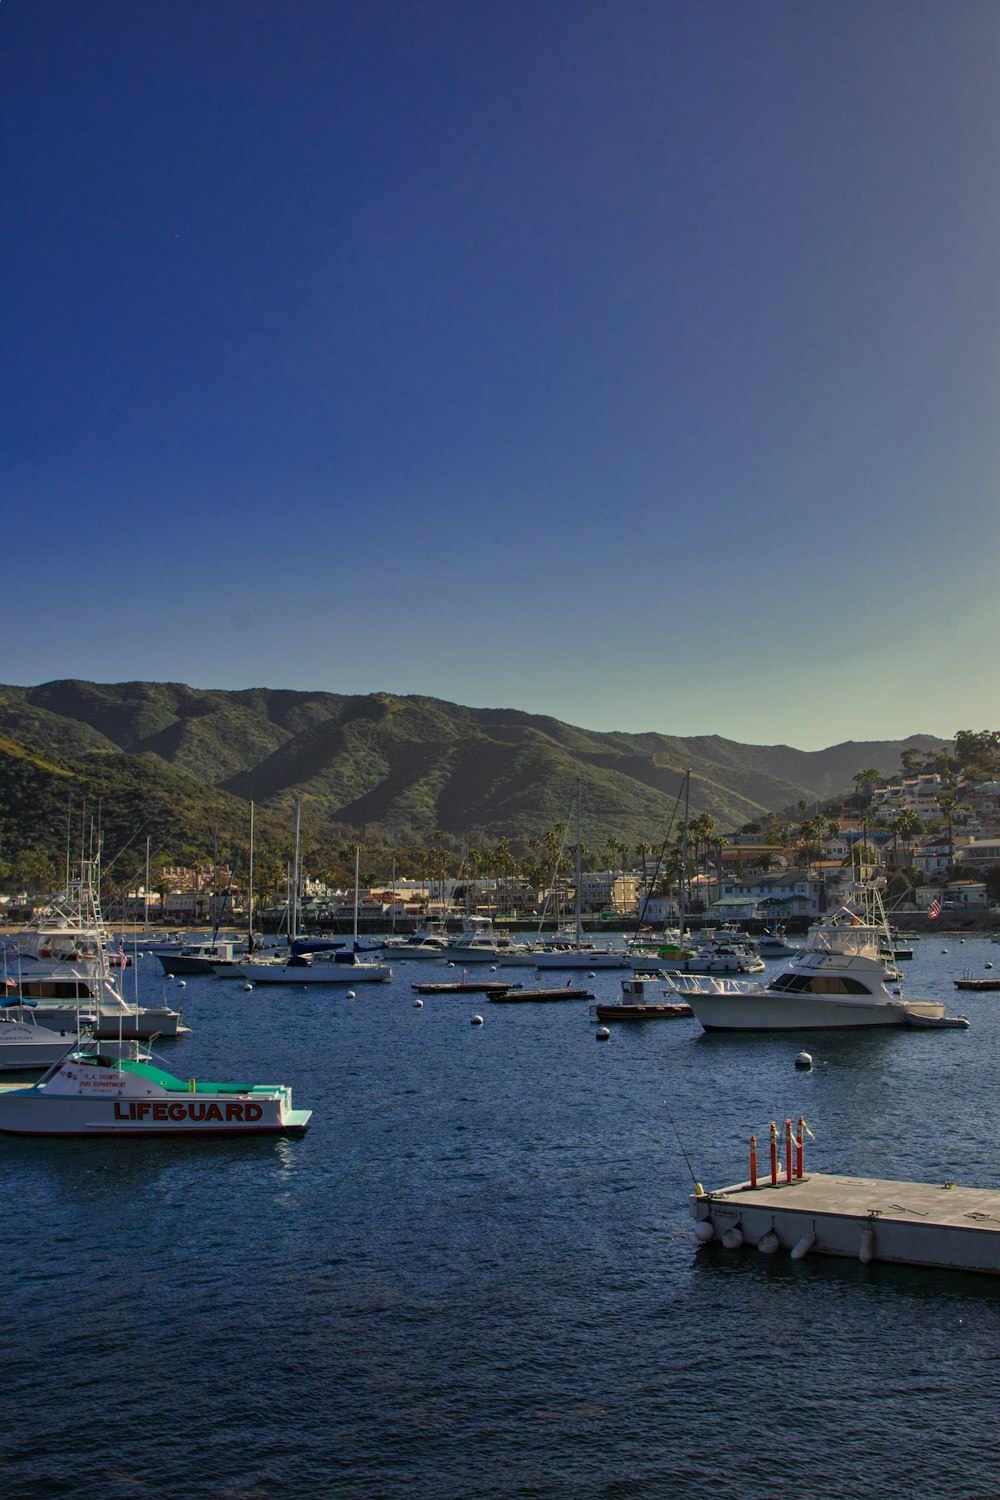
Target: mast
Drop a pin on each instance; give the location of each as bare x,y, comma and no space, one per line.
357,868
250,889
684,848
295,876
579,875
145,889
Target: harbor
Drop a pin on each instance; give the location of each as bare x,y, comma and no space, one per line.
481,1255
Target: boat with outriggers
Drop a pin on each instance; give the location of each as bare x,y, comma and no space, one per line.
837,981
94,1094
62,964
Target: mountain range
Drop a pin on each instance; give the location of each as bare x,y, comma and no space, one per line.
184,761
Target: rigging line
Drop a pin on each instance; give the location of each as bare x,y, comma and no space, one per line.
680,1143
660,856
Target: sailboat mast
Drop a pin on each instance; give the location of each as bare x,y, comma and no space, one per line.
250,888
357,878
684,849
295,874
579,868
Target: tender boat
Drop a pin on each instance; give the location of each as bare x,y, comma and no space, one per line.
835,982
643,998
88,1094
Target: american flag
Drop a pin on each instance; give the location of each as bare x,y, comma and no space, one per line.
934,910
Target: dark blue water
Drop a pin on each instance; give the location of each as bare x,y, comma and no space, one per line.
476,1275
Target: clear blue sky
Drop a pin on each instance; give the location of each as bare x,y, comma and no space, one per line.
637,363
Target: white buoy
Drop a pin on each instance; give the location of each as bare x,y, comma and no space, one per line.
989,966
182,984
768,1243
704,1231
802,1247
602,1033
591,976
418,1005
733,1238
804,1060
170,976
493,968
477,1020
248,987
944,950
351,995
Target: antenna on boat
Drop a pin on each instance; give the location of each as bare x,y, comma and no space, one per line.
697,1185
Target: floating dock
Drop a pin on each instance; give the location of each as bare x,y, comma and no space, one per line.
864,1218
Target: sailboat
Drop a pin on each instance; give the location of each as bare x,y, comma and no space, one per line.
328,967
576,954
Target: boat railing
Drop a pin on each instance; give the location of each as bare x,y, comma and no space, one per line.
708,984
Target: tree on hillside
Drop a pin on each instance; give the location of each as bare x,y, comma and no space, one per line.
863,783
978,753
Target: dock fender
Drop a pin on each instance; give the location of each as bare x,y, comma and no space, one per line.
768,1243
866,1249
733,1237
802,1247
704,1231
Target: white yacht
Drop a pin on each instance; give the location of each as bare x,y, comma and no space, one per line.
63,963
480,943
836,981
720,956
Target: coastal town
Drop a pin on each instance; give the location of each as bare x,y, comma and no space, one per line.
928,836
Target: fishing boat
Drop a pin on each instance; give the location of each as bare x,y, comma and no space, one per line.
92,1094
62,963
836,981
643,998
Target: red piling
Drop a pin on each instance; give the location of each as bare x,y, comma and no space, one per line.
788,1150
774,1154
753,1161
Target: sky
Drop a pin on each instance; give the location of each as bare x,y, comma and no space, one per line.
630,361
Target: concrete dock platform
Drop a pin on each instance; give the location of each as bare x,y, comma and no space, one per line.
867,1219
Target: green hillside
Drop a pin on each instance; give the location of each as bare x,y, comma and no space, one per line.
181,764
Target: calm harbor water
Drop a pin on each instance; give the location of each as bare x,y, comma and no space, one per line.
476,1276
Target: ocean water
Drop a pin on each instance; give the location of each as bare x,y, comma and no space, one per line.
476,1276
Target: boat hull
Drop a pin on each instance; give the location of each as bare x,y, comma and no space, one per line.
34,1114
307,974
802,1013
580,958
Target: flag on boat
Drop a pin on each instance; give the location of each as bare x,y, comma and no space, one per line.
934,910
